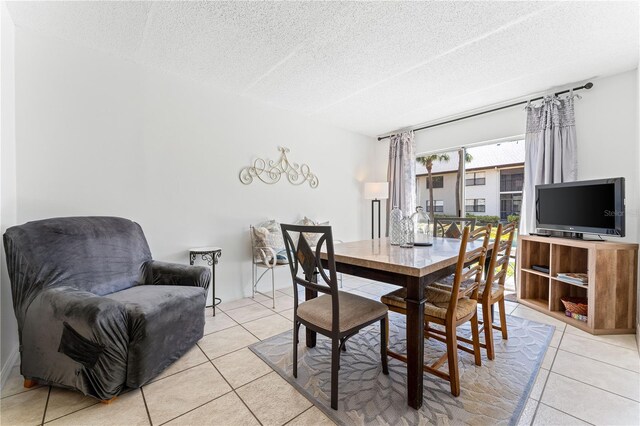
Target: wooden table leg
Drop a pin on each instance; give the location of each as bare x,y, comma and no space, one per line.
311,335
415,341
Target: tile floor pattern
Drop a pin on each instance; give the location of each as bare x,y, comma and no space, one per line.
585,379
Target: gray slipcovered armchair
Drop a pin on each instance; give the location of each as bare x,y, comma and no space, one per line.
95,313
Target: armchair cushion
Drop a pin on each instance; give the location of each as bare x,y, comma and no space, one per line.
165,321
164,273
95,322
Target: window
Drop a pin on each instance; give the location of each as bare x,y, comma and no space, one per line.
475,205
475,179
511,180
510,205
438,206
438,182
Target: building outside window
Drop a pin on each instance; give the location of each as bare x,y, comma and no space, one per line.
475,205
438,182
438,206
511,181
475,179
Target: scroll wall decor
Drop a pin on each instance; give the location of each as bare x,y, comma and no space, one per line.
270,171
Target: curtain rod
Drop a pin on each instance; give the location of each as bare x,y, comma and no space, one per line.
586,86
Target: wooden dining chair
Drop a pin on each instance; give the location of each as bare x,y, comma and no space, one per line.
489,295
451,227
449,311
336,314
492,290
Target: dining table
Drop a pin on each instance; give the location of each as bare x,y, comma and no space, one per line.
413,268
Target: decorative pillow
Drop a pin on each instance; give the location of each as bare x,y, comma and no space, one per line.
312,238
269,234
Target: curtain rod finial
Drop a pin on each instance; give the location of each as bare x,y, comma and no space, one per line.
589,85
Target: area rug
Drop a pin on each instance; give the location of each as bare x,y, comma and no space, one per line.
494,393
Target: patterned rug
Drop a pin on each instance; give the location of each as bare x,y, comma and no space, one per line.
494,393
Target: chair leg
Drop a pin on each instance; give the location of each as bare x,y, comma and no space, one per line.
108,401
296,332
488,330
335,365
503,319
273,287
452,359
426,329
253,281
476,339
384,339
386,331
28,383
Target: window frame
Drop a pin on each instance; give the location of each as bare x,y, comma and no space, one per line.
478,205
476,180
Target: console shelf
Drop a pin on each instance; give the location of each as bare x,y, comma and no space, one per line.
611,268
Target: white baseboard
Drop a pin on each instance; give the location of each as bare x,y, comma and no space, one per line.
6,368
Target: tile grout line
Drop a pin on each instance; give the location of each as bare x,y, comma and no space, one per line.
544,387
210,361
234,390
590,337
195,408
593,386
598,360
178,372
298,415
46,405
144,400
570,415
72,412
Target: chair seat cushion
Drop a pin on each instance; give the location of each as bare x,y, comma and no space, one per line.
354,311
165,321
496,291
446,283
436,304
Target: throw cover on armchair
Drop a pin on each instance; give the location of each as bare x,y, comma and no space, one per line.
95,313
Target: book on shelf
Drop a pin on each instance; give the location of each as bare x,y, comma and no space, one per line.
574,277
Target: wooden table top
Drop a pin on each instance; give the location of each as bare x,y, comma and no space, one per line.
417,261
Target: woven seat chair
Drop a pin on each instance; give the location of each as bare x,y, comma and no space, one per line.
450,312
336,314
494,293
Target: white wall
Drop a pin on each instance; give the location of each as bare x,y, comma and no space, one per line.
101,136
8,327
606,127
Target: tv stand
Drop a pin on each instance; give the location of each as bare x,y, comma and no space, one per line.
612,274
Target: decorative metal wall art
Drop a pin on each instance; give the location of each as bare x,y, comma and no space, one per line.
270,171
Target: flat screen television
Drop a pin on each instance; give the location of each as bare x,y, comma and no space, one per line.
589,207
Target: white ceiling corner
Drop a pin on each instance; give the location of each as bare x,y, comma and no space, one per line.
370,67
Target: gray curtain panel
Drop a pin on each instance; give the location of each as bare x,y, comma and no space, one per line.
401,174
550,151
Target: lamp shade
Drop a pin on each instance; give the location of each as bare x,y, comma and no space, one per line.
376,190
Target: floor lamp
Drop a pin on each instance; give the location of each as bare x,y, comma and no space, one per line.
376,191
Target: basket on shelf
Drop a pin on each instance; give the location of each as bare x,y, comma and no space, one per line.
575,305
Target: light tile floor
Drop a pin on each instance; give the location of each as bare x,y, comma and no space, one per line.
584,379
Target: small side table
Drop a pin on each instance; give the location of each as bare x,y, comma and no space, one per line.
211,256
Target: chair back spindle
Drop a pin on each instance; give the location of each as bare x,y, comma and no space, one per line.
470,263
500,256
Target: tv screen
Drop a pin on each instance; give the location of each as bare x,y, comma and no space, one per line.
595,207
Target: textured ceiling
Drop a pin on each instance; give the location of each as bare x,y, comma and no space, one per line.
370,67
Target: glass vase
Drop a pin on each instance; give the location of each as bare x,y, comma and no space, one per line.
395,217
407,232
422,227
